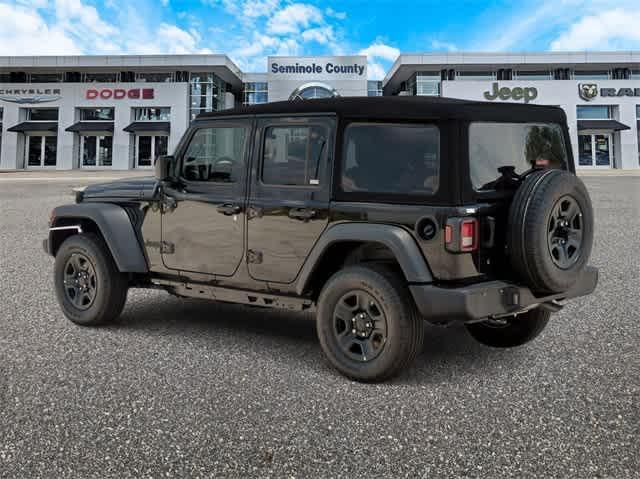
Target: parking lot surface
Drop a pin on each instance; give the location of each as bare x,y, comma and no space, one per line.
192,389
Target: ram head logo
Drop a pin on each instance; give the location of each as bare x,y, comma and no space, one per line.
588,91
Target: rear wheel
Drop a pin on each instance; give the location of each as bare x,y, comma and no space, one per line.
510,331
367,323
89,287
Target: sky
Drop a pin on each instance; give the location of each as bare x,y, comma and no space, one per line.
249,31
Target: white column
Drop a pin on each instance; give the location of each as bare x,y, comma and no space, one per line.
628,138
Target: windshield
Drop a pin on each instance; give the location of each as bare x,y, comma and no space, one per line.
500,151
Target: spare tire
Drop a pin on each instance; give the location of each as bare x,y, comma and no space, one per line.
550,230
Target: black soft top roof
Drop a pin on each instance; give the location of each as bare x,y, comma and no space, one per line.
402,108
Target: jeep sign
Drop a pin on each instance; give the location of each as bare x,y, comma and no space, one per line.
516,93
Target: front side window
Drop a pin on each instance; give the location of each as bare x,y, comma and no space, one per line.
497,151
293,155
391,158
215,154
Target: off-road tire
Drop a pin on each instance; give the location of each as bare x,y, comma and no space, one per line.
111,285
404,331
515,331
528,230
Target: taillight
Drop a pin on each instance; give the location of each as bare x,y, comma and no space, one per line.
469,235
461,235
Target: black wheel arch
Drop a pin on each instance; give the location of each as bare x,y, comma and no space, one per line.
347,237
112,222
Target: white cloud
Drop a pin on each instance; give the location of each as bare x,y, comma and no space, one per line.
322,35
612,29
380,50
259,8
292,18
375,52
165,3
332,13
24,32
443,46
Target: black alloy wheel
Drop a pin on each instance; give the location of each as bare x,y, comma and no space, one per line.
80,282
90,288
565,232
360,326
367,322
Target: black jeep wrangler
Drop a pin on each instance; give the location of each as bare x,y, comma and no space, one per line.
375,213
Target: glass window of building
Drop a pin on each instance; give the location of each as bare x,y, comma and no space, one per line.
533,75
149,148
255,93
107,77
97,114
46,78
595,112
293,156
97,150
41,150
206,93
5,77
42,114
475,75
374,88
309,91
512,148
155,77
392,159
591,74
152,114
424,84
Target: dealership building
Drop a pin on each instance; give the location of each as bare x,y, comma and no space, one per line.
121,112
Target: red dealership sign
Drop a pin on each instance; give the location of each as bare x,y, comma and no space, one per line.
120,94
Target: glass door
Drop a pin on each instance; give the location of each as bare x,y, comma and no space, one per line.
41,151
150,147
595,151
96,151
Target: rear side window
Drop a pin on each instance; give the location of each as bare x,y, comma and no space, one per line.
293,155
391,158
499,150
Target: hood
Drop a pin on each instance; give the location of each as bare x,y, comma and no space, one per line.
126,189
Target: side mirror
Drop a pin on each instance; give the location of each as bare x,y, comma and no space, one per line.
164,167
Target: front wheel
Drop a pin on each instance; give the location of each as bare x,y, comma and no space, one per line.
89,287
510,331
367,323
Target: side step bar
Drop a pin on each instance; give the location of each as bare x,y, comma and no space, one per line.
230,295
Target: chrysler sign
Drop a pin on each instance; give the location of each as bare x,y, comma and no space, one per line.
120,94
30,95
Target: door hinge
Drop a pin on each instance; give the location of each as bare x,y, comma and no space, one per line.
254,256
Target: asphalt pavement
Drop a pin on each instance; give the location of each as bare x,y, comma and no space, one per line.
184,388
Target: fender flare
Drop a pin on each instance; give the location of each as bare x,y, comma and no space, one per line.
116,228
398,240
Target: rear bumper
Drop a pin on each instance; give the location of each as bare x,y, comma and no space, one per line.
489,299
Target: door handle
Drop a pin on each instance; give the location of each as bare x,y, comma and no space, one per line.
304,214
228,209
